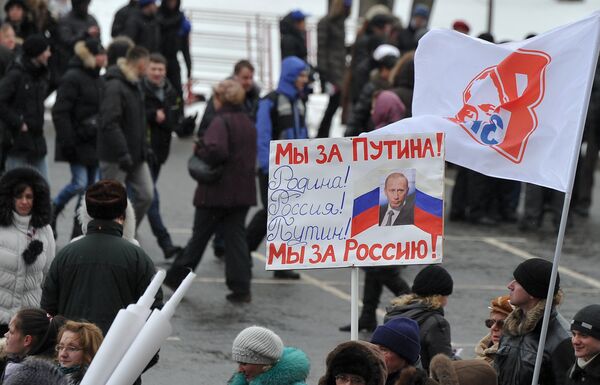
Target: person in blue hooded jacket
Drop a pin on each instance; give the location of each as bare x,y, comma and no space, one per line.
281,115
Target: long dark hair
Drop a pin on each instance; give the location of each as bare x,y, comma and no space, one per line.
42,328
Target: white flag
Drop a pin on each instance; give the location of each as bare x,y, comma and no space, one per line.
512,111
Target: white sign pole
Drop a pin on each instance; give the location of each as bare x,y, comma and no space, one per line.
354,304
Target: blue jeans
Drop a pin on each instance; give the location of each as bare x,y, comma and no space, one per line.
81,178
156,224
39,164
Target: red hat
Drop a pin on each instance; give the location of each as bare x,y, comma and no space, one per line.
461,26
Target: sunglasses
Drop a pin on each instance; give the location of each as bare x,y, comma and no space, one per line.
490,322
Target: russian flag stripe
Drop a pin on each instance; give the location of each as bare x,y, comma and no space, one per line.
429,223
427,203
364,220
365,202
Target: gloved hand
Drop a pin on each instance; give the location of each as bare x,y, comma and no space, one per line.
126,163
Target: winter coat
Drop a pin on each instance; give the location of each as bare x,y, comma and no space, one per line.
293,41
404,83
281,114
36,371
21,284
387,109
434,329
360,117
249,106
331,49
122,117
362,63
76,111
71,28
144,30
97,275
24,29
121,18
588,375
347,354
22,94
486,350
291,369
515,359
462,372
174,35
230,140
165,98
6,58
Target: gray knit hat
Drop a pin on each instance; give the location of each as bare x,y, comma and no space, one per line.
257,345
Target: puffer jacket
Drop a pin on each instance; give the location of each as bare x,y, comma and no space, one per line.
434,329
21,284
293,41
291,369
515,359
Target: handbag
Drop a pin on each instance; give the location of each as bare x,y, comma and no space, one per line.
201,171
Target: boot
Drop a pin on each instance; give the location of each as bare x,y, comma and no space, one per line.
366,323
286,274
55,211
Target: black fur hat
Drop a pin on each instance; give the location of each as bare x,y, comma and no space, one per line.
355,357
41,211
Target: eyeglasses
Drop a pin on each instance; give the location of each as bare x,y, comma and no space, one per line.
69,349
490,322
350,378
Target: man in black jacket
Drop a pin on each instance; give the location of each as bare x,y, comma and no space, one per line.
293,35
101,273
121,17
76,120
586,342
517,350
22,94
122,142
163,108
143,26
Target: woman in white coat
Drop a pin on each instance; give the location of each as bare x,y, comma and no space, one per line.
26,240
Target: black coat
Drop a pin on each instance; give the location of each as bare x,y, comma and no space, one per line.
172,38
160,133
517,351
98,275
122,117
586,376
331,52
121,17
71,29
434,329
293,41
144,30
22,94
76,111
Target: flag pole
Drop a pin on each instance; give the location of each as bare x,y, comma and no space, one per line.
563,222
354,303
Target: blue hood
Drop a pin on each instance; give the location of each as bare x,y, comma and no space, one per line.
291,67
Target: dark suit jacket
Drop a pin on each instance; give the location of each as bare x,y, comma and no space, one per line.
406,216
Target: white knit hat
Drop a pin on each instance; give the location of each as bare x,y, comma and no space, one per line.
257,345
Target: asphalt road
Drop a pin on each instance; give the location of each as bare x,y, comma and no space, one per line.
308,312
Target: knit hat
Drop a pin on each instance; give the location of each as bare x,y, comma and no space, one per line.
143,3
384,50
534,275
501,305
400,335
461,26
257,345
421,10
106,199
587,321
432,280
298,15
94,46
35,45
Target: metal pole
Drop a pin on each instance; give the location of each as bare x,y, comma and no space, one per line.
490,18
354,304
563,219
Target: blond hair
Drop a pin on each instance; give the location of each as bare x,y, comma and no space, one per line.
90,338
229,92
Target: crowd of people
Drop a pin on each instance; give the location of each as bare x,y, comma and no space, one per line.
115,114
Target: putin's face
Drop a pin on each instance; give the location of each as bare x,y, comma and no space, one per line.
396,188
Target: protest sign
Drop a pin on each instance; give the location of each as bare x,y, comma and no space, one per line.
355,202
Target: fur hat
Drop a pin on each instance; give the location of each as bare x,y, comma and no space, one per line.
36,371
35,45
587,321
41,211
461,372
355,357
257,345
106,199
432,280
400,335
534,275
128,226
501,305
